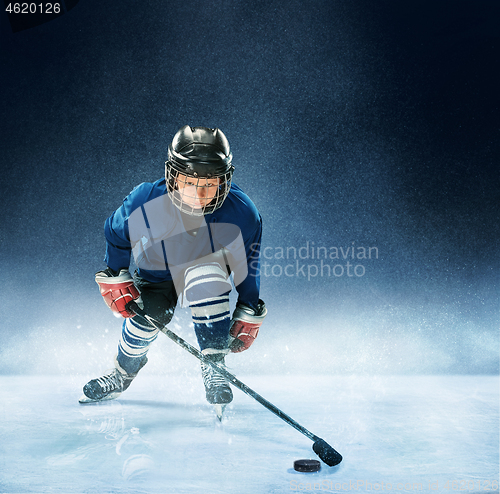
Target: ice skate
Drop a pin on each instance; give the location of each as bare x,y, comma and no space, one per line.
217,390
107,387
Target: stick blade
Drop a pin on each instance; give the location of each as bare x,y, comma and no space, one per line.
327,453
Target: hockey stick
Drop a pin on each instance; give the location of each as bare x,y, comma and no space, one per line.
320,446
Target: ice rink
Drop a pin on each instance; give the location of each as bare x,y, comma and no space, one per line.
396,433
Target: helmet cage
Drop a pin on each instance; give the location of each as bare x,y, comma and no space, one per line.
182,197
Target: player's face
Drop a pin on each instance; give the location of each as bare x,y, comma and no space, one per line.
197,192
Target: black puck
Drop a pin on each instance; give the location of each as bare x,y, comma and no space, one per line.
307,465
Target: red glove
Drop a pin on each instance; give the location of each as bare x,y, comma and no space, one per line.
118,290
245,326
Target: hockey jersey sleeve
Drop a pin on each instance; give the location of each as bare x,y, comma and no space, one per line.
249,289
116,228
118,247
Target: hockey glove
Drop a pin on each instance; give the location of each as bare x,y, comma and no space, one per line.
245,326
118,290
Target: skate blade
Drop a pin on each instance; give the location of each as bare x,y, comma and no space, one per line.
84,399
219,410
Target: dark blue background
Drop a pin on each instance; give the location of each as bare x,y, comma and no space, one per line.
373,122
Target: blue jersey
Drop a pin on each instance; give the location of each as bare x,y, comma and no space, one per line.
150,227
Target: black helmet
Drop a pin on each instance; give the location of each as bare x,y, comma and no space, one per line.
203,155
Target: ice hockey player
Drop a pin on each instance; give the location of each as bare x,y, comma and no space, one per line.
188,232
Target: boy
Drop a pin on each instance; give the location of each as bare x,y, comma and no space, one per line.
188,232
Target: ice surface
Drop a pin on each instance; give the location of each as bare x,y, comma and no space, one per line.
404,433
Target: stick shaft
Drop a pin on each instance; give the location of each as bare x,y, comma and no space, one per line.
229,377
